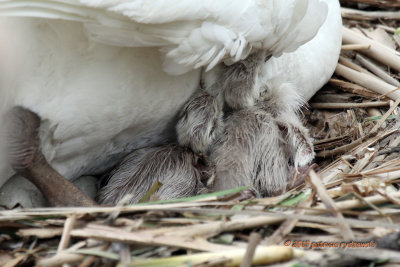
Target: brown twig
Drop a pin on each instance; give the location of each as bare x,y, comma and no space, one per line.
254,241
354,88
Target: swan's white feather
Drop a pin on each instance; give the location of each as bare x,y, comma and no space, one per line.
308,68
187,30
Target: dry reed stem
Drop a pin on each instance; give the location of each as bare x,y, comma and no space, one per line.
66,235
43,233
262,256
353,47
394,200
287,226
356,203
154,237
263,218
350,13
369,82
377,70
377,50
60,259
348,63
13,215
254,241
113,234
88,261
360,150
349,105
316,183
385,116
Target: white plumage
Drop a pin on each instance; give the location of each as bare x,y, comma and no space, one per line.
104,96
190,34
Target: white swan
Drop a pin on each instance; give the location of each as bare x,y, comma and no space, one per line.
99,99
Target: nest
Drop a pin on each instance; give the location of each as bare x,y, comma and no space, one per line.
347,212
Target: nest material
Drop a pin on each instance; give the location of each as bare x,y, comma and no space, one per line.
347,213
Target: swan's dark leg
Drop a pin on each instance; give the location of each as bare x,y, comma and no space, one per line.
27,160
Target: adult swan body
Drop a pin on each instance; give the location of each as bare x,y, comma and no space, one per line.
108,77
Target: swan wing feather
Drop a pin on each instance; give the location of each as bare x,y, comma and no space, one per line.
190,33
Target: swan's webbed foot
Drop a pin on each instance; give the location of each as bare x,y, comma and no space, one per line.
200,122
27,160
179,171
